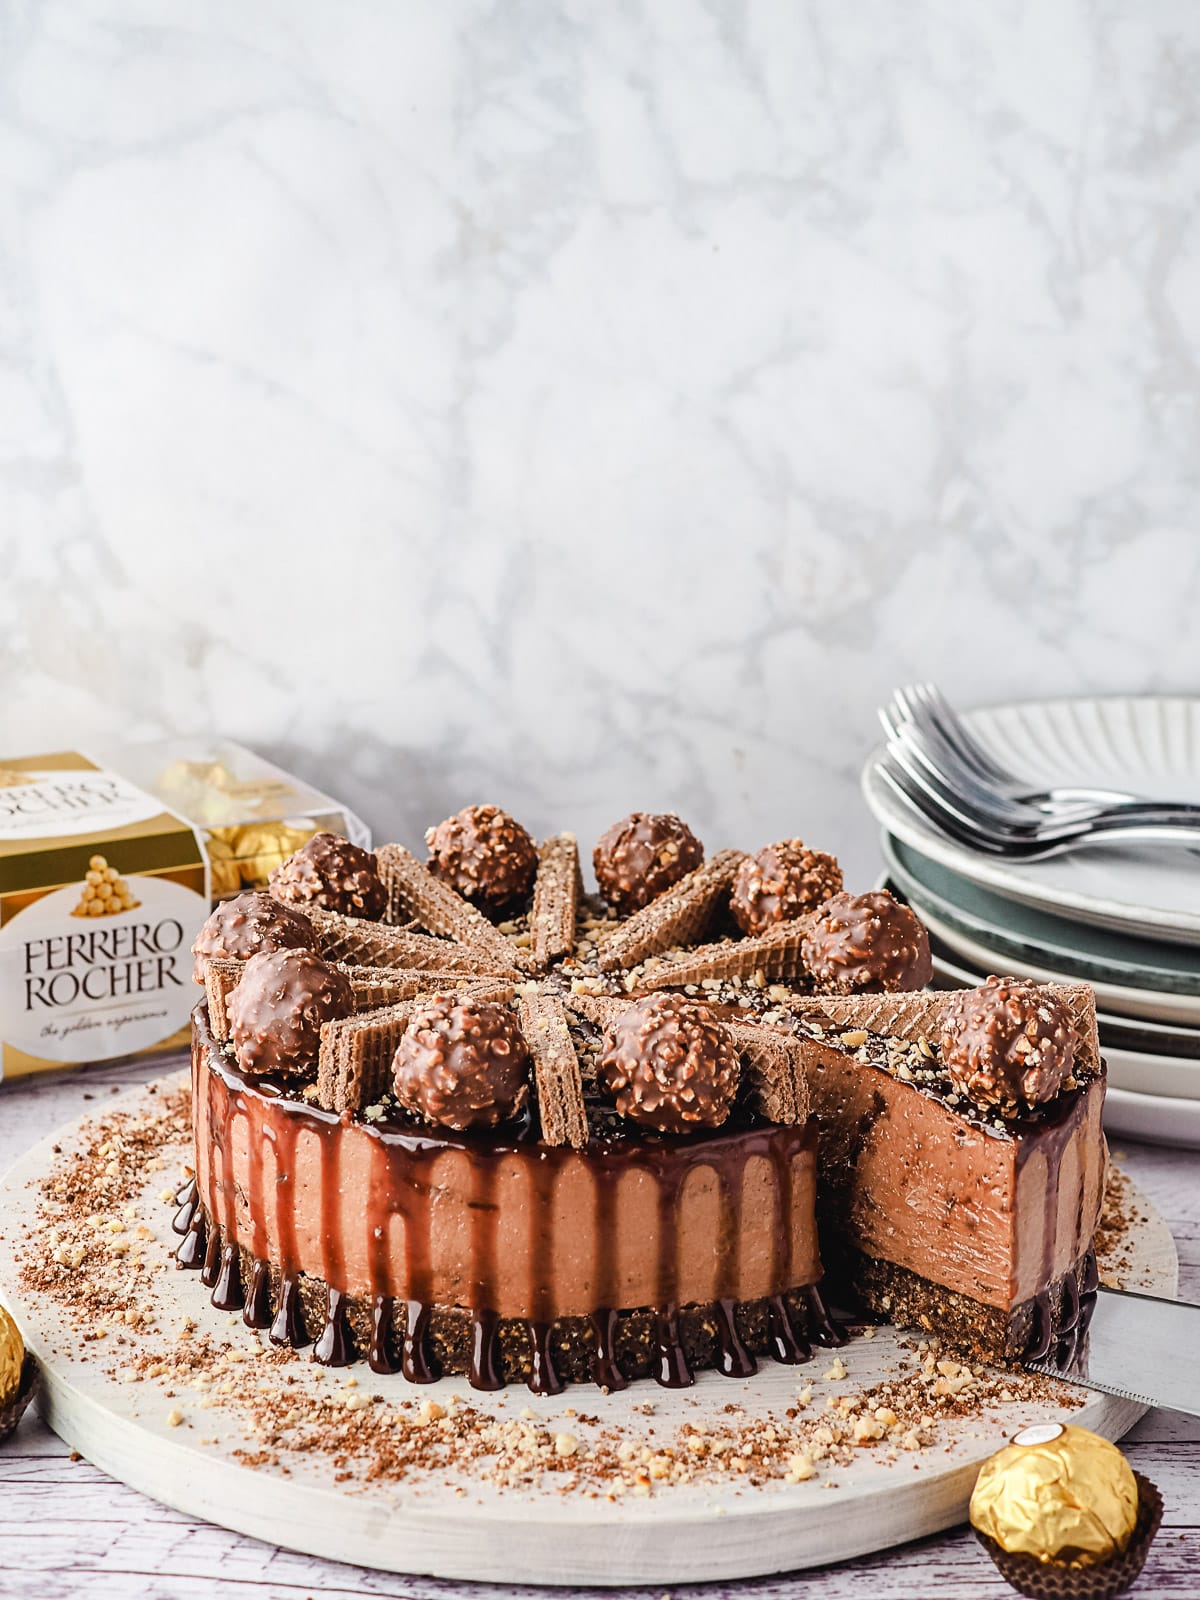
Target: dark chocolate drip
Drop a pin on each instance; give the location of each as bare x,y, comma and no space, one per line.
787,1345
1090,1277
1068,1314
189,1199
212,1260
606,1374
484,1372
416,1359
379,1356
1041,1336
735,1360
257,1311
193,1247
227,1293
543,1379
673,1370
288,1326
333,1265
335,1348
822,1329
186,1190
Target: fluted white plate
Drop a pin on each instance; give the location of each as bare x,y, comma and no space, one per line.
1149,745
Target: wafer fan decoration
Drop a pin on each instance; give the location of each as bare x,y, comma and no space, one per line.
432,941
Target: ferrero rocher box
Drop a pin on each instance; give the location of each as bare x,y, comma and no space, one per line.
109,863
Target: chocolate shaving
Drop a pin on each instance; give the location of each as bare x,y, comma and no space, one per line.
355,1065
775,955
677,916
414,891
556,1068
556,894
915,1016
774,1066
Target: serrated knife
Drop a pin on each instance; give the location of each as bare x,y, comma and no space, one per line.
1139,1348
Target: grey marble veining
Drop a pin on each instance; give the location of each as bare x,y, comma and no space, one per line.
592,406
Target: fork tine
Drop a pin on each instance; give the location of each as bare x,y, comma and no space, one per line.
938,710
945,767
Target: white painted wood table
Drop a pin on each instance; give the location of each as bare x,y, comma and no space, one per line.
66,1529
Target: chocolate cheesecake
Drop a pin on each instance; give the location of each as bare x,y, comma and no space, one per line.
497,1127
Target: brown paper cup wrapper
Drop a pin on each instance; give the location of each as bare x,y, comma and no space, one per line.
1051,1580
12,1413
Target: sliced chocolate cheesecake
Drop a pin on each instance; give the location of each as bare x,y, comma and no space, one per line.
458,1117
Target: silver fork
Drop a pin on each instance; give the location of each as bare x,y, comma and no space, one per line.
937,767
929,710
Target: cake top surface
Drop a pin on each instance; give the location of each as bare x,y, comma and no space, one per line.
486,989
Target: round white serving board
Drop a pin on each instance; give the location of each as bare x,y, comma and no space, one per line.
679,1534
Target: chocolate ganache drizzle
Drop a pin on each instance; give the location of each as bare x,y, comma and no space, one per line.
401,1220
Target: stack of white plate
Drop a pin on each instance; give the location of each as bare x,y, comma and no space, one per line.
1127,921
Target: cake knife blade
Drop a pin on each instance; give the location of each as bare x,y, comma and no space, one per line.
1139,1347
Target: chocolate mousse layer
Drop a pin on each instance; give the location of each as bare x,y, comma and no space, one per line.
491,1253
936,1212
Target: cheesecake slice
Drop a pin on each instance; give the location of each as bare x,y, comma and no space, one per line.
940,1212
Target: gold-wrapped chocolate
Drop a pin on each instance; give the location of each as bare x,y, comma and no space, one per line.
222,860
262,846
12,1357
1058,1493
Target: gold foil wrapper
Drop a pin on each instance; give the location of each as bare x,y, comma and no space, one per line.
1058,1493
12,1355
226,878
261,846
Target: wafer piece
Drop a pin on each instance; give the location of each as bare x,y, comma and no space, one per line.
383,986
357,942
221,976
775,955
774,1064
556,894
601,1009
913,1016
678,916
414,891
354,1068
556,1068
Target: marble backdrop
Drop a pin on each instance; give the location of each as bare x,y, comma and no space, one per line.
592,405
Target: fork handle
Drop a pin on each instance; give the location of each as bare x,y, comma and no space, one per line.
1113,802
1150,813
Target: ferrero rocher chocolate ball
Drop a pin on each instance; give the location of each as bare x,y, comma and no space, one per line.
333,874
670,1065
484,854
867,944
782,881
248,923
1008,1043
278,1006
1058,1493
643,855
462,1064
